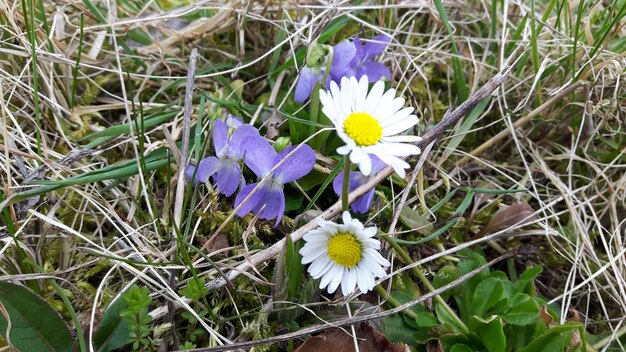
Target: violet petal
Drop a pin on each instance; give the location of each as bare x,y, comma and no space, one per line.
374,70
376,46
259,156
233,121
363,204
274,201
228,178
355,182
207,167
239,140
251,203
220,136
377,164
298,165
360,51
305,84
343,53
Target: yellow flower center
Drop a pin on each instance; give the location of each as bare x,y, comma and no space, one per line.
344,249
363,128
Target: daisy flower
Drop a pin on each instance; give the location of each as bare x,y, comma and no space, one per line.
370,123
344,254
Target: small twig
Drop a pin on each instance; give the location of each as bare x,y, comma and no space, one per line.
353,320
184,153
409,185
182,165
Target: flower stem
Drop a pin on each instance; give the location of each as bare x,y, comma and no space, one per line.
345,187
329,63
420,275
315,108
393,302
317,142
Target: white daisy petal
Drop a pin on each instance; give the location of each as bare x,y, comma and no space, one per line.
356,156
311,253
320,266
401,139
400,149
399,116
400,126
345,216
369,232
361,279
361,95
365,165
345,282
371,243
343,150
388,105
351,280
396,163
325,280
336,279
375,97
313,233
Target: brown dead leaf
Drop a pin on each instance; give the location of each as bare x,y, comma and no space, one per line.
273,125
516,214
434,346
545,316
337,340
219,245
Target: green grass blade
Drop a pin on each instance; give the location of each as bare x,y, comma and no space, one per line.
465,127
459,76
119,130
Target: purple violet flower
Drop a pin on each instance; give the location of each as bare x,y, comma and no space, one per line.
363,64
357,179
269,200
225,169
343,53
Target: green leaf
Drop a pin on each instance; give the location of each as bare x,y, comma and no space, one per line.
413,220
487,294
548,342
35,326
294,269
112,331
195,289
471,340
493,336
524,310
426,320
461,348
527,277
446,318
397,330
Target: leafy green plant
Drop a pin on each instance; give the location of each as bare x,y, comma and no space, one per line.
501,315
195,290
136,316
